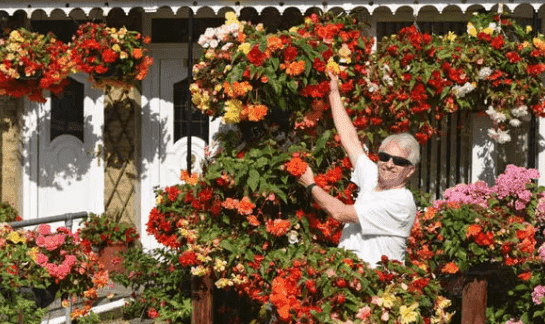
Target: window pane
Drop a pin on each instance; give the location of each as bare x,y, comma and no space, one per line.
67,111
199,121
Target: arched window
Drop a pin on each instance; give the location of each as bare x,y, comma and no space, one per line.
199,121
67,111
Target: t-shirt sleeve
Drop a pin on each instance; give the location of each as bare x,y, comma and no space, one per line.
365,173
386,214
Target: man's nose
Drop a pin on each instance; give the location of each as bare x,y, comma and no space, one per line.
390,163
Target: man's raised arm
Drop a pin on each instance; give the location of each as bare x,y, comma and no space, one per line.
345,128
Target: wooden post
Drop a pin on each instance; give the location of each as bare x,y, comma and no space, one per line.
474,301
201,290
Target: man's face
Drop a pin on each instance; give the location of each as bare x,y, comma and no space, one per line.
391,175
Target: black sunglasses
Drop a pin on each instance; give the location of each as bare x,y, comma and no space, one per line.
385,157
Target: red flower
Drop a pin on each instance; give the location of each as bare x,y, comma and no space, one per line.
498,42
256,57
290,53
525,276
188,258
296,166
109,56
278,227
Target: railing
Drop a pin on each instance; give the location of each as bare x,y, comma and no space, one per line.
68,220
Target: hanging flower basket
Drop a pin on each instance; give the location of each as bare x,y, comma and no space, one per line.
31,63
110,56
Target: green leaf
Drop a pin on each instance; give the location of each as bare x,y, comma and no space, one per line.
253,179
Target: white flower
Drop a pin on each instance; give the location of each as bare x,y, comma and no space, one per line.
389,81
372,87
515,122
496,116
226,46
520,111
209,32
214,43
292,237
485,72
499,135
461,91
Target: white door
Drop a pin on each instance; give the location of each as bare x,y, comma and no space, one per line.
62,169
164,139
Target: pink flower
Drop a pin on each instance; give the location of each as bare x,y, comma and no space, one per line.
152,313
70,260
51,269
41,259
364,313
537,295
44,229
62,271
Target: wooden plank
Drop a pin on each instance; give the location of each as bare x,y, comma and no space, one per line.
474,301
201,289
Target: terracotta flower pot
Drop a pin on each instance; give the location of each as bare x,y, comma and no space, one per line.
112,257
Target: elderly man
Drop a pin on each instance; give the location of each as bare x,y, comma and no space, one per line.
382,217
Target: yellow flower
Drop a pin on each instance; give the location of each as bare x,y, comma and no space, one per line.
232,111
528,29
33,253
223,282
488,30
198,271
244,48
539,43
408,315
451,36
15,237
471,29
332,66
388,300
231,18
159,200
15,36
308,21
293,29
116,48
123,55
219,265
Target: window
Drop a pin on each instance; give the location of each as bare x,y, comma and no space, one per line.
199,122
67,111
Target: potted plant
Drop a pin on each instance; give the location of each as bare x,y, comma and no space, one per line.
31,63
111,57
107,236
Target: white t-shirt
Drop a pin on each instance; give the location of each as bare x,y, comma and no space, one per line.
385,217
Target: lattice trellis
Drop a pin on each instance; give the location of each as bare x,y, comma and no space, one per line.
119,155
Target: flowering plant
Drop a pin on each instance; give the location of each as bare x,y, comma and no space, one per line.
104,230
8,213
40,259
410,83
31,63
111,57
489,229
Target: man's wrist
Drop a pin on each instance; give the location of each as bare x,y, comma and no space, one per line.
310,187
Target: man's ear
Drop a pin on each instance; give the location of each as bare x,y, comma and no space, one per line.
410,171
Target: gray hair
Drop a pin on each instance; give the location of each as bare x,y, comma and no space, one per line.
407,142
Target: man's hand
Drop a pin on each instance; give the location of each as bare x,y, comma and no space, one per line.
306,178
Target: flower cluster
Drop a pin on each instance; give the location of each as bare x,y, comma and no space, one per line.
478,228
114,57
31,63
410,83
103,230
42,258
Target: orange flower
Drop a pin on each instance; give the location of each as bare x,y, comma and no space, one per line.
473,230
295,68
230,203
274,43
430,213
252,220
255,112
296,166
525,276
245,207
191,180
237,89
137,53
278,227
451,268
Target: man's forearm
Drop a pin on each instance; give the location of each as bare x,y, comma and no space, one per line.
334,207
